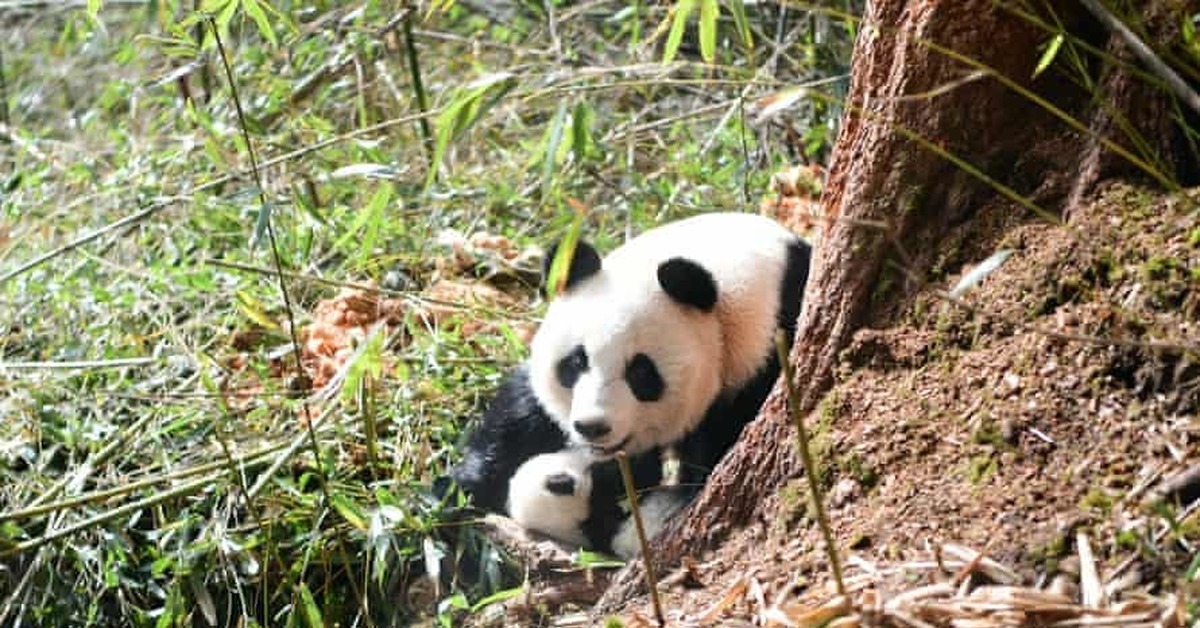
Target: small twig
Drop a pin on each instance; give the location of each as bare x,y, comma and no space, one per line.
79,364
418,85
4,101
810,470
1143,52
636,513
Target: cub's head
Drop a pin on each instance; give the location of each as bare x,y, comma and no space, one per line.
550,493
629,355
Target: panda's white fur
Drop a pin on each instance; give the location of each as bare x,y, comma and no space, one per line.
656,508
622,310
550,494
560,514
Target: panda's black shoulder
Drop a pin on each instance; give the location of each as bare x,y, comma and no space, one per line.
515,427
516,411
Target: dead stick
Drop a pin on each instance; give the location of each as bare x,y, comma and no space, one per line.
810,470
636,513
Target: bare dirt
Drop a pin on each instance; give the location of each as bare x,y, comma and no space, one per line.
1059,397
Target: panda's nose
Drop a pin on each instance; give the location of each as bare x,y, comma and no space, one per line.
592,430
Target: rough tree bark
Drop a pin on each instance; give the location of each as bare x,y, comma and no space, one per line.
889,197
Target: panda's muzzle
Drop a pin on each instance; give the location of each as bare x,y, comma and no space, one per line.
607,452
593,430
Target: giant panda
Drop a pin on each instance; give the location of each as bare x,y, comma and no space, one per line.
666,342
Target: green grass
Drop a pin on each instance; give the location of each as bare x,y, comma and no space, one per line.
135,489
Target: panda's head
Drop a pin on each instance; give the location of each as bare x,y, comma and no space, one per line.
629,356
550,493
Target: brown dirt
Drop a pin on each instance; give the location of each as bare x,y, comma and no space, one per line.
1052,401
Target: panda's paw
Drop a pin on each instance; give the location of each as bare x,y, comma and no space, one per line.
550,494
657,509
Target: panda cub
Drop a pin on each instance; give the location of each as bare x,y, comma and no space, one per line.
666,342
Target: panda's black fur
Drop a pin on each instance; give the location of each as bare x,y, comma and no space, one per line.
700,451
516,426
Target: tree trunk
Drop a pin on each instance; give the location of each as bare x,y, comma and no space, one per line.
893,198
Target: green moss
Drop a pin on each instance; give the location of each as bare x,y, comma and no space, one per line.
828,411
1097,499
1046,556
613,622
989,433
1128,540
980,468
793,506
888,279
853,465
792,496
1194,237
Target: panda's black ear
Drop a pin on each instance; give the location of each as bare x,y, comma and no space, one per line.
688,283
584,264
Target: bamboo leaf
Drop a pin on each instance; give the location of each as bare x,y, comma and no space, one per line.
462,112
1048,55
550,149
255,310
708,30
256,13
582,142
498,596
560,266
375,213
308,606
349,511
367,362
681,11
737,8
585,558
262,220
367,171
366,221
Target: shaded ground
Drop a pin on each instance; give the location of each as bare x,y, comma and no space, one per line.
1053,402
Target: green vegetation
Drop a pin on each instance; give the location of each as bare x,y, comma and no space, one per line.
162,460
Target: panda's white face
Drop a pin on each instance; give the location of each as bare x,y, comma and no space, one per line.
621,365
550,494
635,351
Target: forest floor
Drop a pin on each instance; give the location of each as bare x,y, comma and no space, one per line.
1055,402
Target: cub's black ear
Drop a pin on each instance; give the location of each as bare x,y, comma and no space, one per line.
584,264
688,283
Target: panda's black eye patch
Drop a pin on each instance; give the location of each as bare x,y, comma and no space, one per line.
560,484
643,378
571,367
